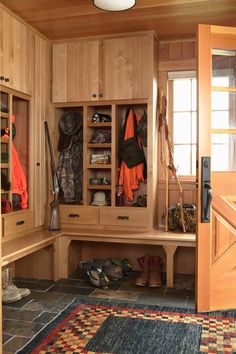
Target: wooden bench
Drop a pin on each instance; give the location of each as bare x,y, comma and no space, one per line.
34,241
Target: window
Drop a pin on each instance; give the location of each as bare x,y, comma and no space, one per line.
183,111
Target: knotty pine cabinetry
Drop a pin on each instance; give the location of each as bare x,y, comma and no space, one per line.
104,176
16,175
103,69
16,54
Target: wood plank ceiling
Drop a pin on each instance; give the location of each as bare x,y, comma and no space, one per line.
58,19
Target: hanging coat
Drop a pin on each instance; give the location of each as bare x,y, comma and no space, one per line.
131,177
19,184
70,165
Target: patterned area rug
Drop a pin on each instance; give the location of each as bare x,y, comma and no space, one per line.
120,328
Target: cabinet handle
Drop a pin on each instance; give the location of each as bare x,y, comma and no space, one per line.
73,216
7,79
21,222
121,217
2,78
101,95
94,95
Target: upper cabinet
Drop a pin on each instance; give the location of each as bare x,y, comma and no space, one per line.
103,69
16,54
76,71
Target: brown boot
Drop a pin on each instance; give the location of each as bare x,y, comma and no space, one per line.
155,272
144,263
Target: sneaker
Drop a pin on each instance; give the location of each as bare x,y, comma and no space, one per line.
114,272
10,295
98,278
23,291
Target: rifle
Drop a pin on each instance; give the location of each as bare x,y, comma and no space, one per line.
54,223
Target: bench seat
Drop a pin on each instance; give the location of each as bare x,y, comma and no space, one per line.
36,240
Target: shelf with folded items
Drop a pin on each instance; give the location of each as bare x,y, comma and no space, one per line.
99,125
105,166
99,186
99,146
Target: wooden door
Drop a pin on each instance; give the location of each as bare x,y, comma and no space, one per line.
76,71
127,67
18,54
216,234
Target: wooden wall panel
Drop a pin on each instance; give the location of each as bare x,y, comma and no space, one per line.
177,55
42,111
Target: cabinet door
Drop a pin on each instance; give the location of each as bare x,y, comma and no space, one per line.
76,71
126,68
18,54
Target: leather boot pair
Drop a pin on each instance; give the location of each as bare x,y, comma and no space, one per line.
151,271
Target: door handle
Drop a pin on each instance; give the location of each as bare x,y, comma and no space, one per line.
206,190
208,201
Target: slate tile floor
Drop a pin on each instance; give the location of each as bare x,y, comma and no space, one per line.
24,318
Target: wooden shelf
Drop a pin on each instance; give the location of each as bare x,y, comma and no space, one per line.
5,165
99,186
99,125
99,146
4,140
4,115
99,166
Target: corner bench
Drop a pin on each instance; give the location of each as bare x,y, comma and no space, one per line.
13,250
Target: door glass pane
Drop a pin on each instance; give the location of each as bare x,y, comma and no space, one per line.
182,128
224,68
223,110
182,158
182,95
223,152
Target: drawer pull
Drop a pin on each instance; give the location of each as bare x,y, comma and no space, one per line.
74,216
121,217
21,222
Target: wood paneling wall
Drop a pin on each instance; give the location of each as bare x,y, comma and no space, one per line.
177,55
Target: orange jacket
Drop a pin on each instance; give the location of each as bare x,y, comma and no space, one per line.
130,177
19,184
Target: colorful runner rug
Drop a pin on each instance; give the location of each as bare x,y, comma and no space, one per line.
102,327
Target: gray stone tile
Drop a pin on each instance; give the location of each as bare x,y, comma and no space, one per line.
34,285
6,338
179,292
45,317
112,294
72,290
14,344
68,282
45,296
19,314
44,306
20,303
171,301
21,328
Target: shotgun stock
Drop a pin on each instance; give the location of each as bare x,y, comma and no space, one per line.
54,223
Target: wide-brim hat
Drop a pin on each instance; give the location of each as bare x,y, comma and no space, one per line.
69,124
99,198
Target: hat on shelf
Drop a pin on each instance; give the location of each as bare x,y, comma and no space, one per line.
99,198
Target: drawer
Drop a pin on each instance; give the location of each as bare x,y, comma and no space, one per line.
15,223
72,214
123,217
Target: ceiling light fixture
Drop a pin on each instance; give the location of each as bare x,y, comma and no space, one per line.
114,5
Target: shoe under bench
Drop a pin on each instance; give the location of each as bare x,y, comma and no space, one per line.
60,241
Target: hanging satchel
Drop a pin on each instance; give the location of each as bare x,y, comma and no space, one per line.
130,150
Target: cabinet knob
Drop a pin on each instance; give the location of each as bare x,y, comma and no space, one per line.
94,95
101,95
7,79
2,77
